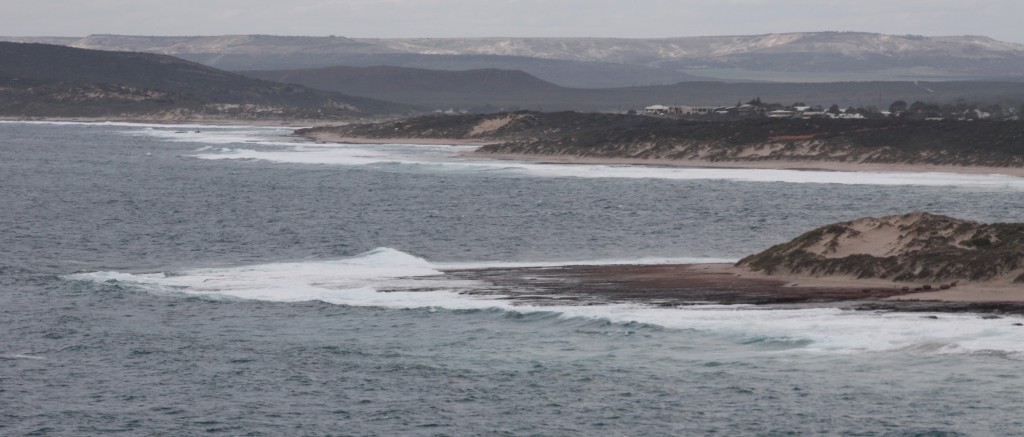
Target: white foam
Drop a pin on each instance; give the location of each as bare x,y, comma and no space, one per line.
378,269
393,279
143,125
789,176
443,158
838,331
299,155
221,135
275,144
334,280
21,357
348,155
597,262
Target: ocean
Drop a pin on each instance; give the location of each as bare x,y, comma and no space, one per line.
191,279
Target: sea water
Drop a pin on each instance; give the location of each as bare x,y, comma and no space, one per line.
236,280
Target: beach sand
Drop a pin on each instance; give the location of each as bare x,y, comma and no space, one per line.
328,137
764,164
761,164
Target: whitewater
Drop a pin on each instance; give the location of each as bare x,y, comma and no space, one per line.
392,279
238,280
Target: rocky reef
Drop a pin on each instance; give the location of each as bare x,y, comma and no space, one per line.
911,247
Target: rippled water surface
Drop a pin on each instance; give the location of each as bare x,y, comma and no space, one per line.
160,280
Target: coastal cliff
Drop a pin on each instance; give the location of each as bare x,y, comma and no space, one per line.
910,247
640,138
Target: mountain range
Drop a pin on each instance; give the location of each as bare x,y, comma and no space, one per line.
609,62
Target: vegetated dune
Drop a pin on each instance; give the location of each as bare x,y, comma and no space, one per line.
756,141
911,247
913,262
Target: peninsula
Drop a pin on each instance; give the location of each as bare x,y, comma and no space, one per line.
911,262
869,144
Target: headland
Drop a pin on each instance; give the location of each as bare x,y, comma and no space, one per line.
822,144
911,262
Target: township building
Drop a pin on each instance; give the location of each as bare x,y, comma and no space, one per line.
748,110
679,110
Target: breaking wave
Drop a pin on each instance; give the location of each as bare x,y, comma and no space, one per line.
390,278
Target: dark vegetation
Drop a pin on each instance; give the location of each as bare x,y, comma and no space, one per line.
477,91
48,80
985,143
934,247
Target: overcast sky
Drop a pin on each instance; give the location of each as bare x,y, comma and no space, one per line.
1000,19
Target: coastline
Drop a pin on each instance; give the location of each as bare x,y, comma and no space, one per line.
681,163
674,285
763,165
691,284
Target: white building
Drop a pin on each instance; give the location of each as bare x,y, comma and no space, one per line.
678,110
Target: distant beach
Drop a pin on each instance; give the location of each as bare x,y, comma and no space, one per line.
765,164
774,165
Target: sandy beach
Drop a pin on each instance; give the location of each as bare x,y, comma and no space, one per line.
764,164
327,137
760,164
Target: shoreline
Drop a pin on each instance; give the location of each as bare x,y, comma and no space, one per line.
674,285
680,163
327,137
689,284
761,165
324,137
292,123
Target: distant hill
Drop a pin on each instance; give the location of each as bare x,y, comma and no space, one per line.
565,73
614,62
41,80
476,90
501,90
